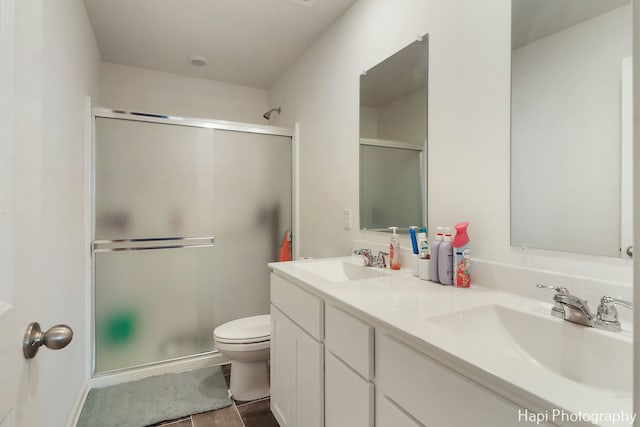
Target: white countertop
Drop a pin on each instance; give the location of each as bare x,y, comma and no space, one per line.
405,306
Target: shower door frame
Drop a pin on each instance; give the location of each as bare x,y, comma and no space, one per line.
178,241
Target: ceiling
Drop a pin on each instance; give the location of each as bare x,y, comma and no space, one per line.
247,42
534,19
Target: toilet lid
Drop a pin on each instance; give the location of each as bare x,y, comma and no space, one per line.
245,330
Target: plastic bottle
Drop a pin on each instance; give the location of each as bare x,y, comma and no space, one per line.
462,257
424,256
445,259
435,246
423,243
394,250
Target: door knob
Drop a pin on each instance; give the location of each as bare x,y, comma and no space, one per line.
630,251
55,338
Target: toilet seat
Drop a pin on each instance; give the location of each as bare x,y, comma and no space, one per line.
249,330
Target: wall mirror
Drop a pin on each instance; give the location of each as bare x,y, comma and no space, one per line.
571,159
393,140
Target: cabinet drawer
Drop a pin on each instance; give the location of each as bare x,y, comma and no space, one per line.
348,397
350,339
433,394
299,305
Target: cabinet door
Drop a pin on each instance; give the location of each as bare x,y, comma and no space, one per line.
309,392
283,352
297,371
388,414
433,394
348,398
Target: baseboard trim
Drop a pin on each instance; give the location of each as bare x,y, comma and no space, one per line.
77,407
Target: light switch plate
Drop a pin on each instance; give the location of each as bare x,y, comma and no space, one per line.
346,219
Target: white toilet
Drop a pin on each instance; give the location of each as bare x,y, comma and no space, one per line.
246,343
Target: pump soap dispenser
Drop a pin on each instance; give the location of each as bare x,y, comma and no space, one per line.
394,250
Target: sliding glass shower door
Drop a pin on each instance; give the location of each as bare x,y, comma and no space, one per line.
186,219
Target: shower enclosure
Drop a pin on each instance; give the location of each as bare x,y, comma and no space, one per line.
187,214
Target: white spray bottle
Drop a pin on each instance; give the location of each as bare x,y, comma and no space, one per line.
435,251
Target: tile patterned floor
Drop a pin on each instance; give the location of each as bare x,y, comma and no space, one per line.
240,414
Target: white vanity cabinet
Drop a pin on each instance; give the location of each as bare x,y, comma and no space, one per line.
297,355
333,365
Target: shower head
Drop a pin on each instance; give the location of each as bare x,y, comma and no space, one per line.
267,115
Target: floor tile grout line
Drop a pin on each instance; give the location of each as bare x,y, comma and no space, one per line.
249,402
239,415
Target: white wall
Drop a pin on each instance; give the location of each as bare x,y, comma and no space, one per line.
138,89
71,65
469,125
468,114
566,116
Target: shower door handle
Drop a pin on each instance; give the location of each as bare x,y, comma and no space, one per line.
55,338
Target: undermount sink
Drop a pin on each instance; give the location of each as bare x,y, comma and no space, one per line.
578,353
341,270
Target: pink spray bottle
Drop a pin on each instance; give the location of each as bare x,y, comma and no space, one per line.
461,257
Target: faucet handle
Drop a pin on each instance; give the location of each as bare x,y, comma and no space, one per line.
610,301
559,289
608,314
561,292
382,259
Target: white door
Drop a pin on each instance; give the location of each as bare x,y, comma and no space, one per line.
9,320
21,214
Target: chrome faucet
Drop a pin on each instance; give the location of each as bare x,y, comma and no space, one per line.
366,254
370,260
570,307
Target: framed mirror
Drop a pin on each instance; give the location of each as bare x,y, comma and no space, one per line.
571,140
393,140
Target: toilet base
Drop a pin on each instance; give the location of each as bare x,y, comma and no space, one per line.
249,380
